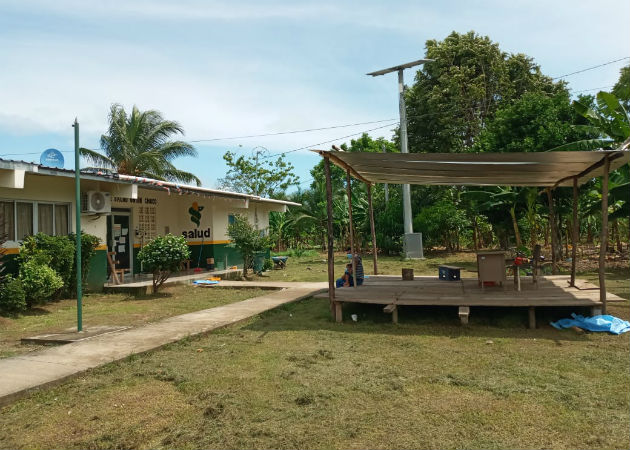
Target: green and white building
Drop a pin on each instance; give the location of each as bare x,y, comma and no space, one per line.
125,212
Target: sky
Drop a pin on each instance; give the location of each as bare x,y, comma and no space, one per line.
231,69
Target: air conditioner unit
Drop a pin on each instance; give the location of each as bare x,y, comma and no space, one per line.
96,202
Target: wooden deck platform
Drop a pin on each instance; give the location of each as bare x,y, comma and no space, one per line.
552,291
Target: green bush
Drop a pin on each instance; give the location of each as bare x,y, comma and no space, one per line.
59,251
247,240
163,256
12,296
39,280
268,264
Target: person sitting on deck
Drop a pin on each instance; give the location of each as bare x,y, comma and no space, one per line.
358,262
346,279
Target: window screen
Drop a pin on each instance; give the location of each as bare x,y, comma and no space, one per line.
61,220
24,220
45,218
7,221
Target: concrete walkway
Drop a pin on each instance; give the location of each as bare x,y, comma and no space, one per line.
21,374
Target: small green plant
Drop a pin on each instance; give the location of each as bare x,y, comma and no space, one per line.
163,256
247,240
12,296
39,280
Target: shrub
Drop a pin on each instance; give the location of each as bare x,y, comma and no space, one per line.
55,251
40,282
12,296
163,256
247,240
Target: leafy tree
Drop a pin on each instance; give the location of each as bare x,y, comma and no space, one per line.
622,88
258,174
248,240
139,144
163,256
441,224
536,122
454,96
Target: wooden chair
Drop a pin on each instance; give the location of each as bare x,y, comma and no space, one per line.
115,272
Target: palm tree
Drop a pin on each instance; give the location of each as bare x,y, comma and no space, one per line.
138,144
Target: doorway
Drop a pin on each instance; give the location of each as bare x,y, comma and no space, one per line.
119,238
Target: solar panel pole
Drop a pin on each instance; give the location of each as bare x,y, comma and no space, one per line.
407,221
406,190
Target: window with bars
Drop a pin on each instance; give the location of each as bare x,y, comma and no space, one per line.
19,219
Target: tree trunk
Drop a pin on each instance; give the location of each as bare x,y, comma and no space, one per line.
589,232
547,234
474,236
617,236
517,233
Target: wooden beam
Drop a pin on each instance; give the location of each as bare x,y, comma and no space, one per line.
603,242
351,225
605,160
574,237
372,229
554,234
331,250
342,164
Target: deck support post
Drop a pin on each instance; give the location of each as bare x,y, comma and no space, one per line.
532,317
575,234
554,234
372,229
351,226
603,241
464,312
330,243
338,312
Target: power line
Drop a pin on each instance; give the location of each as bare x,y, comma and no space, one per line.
293,131
594,89
327,142
593,67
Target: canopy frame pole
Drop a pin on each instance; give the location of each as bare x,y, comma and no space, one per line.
603,242
575,234
330,245
554,237
351,233
372,229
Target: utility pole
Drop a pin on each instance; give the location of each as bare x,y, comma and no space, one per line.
407,213
386,187
77,212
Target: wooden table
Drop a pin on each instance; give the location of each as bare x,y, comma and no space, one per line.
491,267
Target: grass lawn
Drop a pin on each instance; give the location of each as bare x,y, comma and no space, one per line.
313,267
111,309
291,378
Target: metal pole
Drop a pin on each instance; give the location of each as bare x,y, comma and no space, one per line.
386,186
372,228
331,253
349,191
408,225
554,237
574,237
603,241
77,212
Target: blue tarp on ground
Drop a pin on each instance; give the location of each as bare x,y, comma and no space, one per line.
607,323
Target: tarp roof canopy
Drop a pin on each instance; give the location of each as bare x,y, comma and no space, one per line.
547,169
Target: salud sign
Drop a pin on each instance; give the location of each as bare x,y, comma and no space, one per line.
51,158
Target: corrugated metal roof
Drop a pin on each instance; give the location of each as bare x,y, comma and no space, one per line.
148,183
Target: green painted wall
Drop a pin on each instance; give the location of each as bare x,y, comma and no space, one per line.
223,253
97,275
